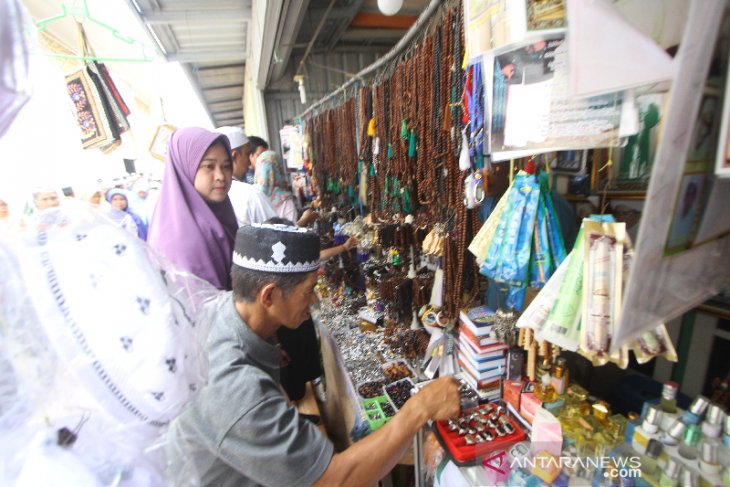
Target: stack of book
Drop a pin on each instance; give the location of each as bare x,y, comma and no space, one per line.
482,359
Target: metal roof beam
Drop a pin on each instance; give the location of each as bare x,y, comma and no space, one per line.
209,56
196,15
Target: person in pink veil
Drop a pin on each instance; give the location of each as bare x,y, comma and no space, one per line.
193,224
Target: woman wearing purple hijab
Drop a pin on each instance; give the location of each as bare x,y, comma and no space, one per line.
193,224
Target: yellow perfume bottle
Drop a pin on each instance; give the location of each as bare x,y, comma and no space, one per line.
577,393
559,378
545,391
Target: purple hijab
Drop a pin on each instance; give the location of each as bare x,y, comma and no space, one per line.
195,235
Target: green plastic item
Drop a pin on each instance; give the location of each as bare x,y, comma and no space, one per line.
374,413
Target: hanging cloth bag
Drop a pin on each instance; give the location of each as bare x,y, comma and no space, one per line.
100,109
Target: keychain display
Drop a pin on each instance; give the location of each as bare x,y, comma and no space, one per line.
473,190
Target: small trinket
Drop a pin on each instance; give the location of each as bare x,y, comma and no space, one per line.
504,422
488,436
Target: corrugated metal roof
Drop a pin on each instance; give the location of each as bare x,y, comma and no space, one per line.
210,39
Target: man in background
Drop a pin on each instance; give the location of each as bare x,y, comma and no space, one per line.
249,203
44,198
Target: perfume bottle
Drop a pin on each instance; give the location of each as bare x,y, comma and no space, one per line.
652,420
689,478
709,463
712,425
670,475
668,402
559,378
688,447
675,433
544,391
693,415
649,460
601,411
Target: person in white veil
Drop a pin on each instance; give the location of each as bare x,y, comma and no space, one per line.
102,344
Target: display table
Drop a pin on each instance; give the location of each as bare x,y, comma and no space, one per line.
343,413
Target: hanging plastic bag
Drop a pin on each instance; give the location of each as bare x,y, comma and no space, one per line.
555,236
479,246
563,323
603,271
541,263
536,315
516,252
509,255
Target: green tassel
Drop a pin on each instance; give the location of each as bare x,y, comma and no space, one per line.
372,170
412,144
385,189
396,187
480,159
350,192
404,129
390,151
407,203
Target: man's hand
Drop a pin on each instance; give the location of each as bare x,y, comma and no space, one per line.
350,244
440,398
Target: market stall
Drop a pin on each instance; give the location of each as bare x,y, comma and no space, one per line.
529,222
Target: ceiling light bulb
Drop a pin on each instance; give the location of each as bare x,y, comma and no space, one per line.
390,7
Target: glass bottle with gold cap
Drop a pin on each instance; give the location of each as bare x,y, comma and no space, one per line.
559,377
668,402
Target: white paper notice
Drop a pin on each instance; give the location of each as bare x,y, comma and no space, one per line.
608,53
527,114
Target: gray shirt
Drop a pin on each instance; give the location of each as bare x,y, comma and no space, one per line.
240,430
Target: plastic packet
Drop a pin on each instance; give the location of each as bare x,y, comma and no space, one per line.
515,252
492,257
655,343
563,324
541,262
482,241
602,286
536,315
555,236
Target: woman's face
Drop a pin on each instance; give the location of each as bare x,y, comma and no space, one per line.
3,210
119,202
213,177
95,199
